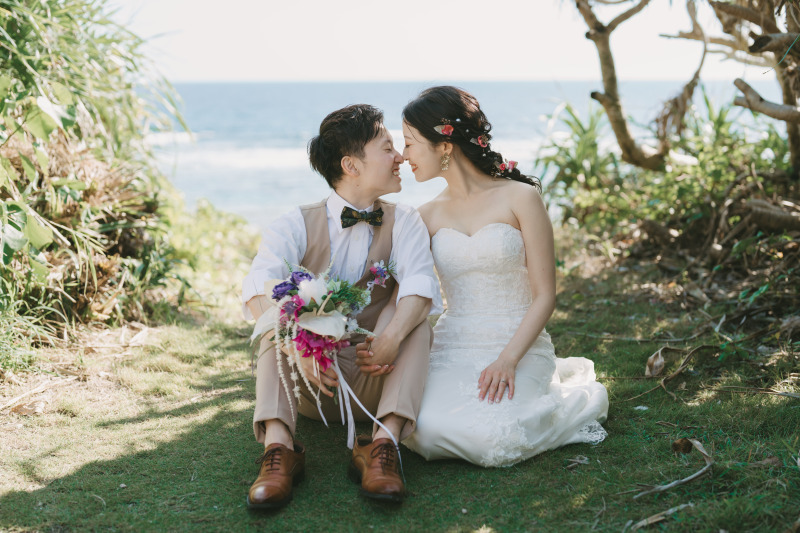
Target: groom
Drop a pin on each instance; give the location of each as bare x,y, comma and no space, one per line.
355,229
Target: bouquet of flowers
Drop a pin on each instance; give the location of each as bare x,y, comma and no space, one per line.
313,316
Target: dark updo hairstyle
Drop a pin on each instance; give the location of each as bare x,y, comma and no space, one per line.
343,132
446,105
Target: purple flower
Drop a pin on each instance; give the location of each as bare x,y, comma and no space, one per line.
299,276
282,289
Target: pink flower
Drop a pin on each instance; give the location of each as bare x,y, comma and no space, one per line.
512,165
502,167
482,141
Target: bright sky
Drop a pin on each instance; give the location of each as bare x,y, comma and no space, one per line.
358,40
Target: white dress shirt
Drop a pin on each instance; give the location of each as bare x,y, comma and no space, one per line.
285,241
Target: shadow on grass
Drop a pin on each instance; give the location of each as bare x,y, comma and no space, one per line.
198,464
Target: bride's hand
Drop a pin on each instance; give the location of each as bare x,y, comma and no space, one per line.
495,380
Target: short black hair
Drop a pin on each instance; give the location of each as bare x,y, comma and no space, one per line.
344,132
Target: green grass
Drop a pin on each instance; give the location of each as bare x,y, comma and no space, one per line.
172,423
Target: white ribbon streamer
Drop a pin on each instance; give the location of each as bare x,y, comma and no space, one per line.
345,392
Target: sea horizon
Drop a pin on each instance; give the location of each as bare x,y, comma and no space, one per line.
247,151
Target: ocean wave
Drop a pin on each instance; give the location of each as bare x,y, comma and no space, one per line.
207,157
169,138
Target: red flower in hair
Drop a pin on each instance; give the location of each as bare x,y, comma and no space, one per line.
444,129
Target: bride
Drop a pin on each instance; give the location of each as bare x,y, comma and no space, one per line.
496,392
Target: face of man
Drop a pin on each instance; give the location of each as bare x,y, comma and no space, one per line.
379,169
420,153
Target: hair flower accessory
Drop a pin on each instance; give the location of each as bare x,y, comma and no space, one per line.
444,129
503,166
481,141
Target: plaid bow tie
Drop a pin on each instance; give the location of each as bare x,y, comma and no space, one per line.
351,217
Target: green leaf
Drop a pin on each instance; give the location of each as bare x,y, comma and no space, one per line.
39,235
13,238
3,176
75,185
5,83
10,124
9,169
44,161
62,93
761,290
39,123
27,166
40,270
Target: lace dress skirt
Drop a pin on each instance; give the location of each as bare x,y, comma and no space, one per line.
556,401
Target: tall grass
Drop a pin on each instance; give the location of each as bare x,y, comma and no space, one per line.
83,230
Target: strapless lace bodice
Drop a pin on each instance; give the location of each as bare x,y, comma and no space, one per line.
483,273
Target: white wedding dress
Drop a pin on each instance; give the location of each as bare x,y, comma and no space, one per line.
556,401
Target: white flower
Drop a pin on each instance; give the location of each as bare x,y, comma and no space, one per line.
332,325
312,289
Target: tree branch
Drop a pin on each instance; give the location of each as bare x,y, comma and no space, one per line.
776,42
609,98
742,57
671,118
721,41
754,101
745,13
626,15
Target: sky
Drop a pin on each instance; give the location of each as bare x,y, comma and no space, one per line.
374,40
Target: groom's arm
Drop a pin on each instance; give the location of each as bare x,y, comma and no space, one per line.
417,294
377,357
283,240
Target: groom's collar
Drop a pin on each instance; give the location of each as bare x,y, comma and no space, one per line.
335,205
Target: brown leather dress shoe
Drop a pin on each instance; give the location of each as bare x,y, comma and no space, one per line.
281,468
375,466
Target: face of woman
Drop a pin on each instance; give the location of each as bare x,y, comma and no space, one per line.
425,159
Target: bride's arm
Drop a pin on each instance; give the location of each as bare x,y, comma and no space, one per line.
537,235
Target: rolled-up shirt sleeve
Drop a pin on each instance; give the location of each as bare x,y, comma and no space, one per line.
411,255
284,240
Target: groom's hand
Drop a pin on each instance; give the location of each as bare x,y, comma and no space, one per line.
375,356
322,380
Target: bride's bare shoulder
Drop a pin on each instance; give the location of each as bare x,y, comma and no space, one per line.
428,209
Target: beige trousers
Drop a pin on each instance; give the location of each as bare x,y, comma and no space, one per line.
399,392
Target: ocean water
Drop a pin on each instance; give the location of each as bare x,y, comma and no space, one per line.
247,151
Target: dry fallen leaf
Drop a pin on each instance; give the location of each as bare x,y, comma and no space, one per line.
29,409
768,462
10,377
655,364
578,460
682,446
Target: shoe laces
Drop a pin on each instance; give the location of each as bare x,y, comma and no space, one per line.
271,458
386,454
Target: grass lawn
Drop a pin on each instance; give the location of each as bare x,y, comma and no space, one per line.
156,435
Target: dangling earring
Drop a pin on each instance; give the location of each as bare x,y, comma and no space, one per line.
445,161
